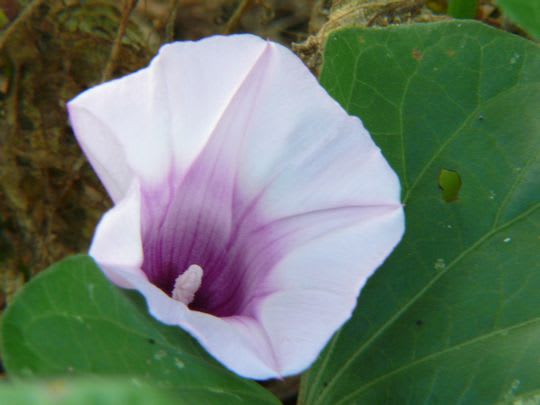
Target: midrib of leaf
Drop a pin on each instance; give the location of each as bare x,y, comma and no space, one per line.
493,334
416,297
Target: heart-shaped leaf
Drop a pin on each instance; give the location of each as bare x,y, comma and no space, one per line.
453,316
71,320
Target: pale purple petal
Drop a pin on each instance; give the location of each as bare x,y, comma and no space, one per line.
300,139
313,290
240,163
123,129
117,242
147,121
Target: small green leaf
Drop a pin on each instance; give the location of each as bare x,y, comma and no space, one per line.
525,13
89,391
453,316
462,8
71,320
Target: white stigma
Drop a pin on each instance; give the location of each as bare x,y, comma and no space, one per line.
187,284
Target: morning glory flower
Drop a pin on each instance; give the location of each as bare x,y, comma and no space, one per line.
249,207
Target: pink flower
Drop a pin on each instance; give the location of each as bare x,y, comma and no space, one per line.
250,209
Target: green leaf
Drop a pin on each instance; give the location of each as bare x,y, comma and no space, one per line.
71,320
462,8
525,13
453,316
89,391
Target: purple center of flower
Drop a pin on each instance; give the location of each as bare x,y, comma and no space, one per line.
205,223
207,220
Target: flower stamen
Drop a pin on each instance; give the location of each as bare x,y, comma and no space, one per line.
187,284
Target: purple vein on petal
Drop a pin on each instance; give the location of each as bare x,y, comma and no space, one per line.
206,170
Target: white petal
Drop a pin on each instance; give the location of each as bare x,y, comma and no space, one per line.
202,79
123,129
117,241
103,151
304,152
161,117
315,287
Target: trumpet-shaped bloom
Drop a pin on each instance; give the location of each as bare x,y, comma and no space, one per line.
250,208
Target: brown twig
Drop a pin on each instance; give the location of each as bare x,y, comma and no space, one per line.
128,6
171,19
316,12
234,21
20,19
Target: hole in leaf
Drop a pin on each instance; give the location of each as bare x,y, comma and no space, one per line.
450,184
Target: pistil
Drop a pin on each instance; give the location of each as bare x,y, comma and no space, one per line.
187,284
